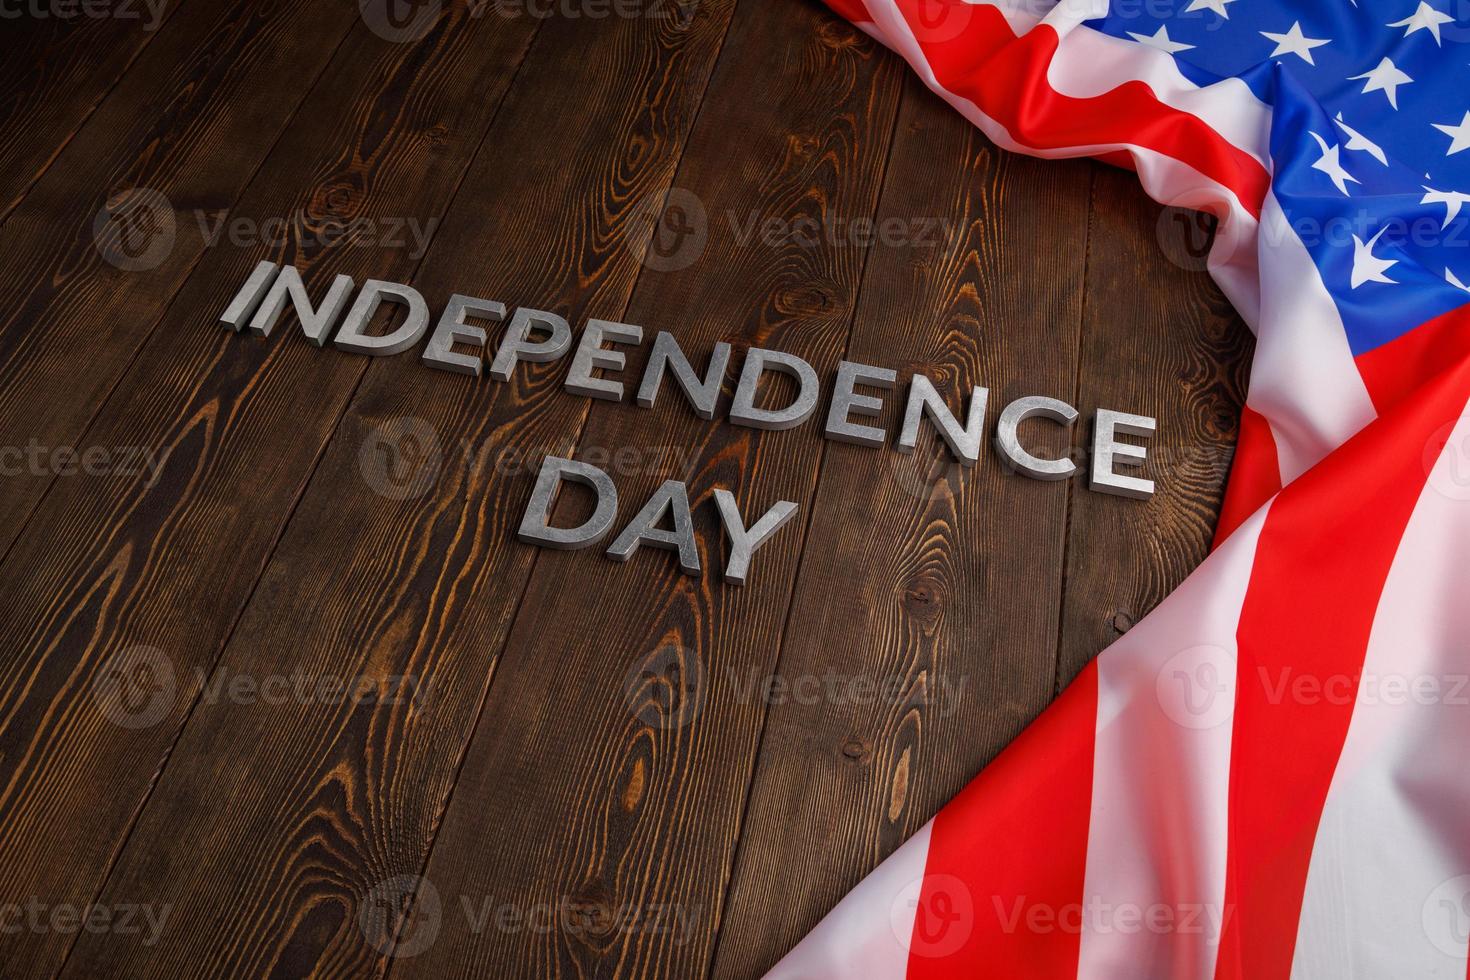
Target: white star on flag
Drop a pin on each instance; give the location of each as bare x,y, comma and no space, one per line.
1331,164
1368,267
1218,6
1452,201
1426,18
1386,78
1294,42
1357,141
1460,135
1160,39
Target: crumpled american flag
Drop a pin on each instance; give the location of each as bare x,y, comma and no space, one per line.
1270,775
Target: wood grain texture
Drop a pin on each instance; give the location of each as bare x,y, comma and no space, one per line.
562,767
191,122
940,580
1174,351
56,70
113,567
613,708
317,804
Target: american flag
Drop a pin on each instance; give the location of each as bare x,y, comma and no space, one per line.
1267,777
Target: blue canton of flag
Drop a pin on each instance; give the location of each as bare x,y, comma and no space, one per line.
1370,139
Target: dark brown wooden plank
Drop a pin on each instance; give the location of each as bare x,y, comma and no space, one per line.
191,122
923,630
1175,351
60,61
274,827
113,566
281,818
589,799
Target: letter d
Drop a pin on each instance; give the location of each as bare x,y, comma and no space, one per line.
536,525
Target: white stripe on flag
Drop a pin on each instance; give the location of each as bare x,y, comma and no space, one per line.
1155,887
1096,63
1388,890
1303,379
868,934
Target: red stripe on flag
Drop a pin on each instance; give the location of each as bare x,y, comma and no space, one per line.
1323,558
1002,890
979,57
1395,370
1255,476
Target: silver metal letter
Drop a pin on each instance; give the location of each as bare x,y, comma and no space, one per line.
354,337
518,345
743,543
744,412
452,329
1006,440
238,313
642,529
591,355
536,524
846,401
925,400
315,324
701,394
1106,450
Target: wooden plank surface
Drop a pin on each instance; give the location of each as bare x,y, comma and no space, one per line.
577,774
940,581
57,69
417,585
150,572
92,256
1176,352
650,787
